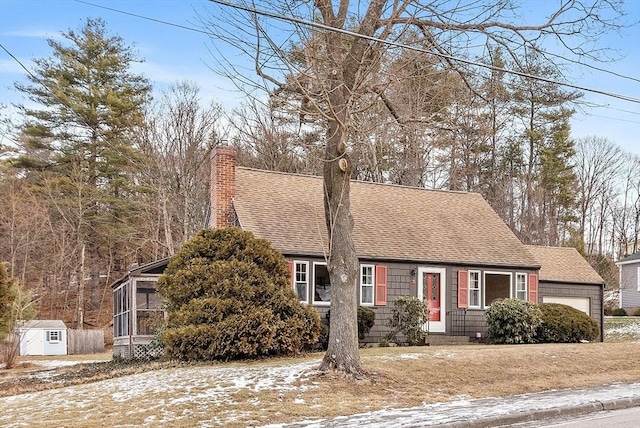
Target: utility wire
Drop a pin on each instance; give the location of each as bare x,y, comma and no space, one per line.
387,42
34,77
159,21
404,46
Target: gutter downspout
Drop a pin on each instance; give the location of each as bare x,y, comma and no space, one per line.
619,286
602,313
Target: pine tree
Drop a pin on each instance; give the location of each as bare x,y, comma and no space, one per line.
88,103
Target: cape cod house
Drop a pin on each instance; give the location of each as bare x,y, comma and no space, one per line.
448,248
629,271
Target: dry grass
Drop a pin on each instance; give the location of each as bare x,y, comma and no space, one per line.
436,374
398,377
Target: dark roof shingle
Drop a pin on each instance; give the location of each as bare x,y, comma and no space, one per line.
390,222
631,258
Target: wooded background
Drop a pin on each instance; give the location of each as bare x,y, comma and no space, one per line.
101,176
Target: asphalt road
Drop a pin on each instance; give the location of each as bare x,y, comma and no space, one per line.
625,418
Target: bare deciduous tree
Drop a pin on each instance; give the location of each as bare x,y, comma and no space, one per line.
336,74
176,141
597,163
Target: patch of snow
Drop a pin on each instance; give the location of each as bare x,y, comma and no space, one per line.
54,364
474,409
444,354
628,329
409,356
159,394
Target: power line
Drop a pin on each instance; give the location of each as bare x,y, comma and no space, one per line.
388,42
612,118
404,46
26,69
159,21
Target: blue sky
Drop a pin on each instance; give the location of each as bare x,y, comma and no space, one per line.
173,54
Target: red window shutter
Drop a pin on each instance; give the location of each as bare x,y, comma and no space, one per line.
533,288
463,289
381,285
292,273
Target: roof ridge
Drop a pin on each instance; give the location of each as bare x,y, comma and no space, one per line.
550,246
363,182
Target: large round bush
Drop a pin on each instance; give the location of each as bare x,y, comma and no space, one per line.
512,321
564,324
228,296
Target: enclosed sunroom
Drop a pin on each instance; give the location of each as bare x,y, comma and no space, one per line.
137,311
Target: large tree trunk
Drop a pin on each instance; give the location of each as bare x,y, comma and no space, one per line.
342,352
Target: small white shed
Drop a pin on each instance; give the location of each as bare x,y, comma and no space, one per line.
43,337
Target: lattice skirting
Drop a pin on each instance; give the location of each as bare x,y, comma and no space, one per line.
137,352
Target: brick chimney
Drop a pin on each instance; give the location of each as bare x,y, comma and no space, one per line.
223,176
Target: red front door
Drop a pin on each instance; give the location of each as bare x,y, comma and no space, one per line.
432,294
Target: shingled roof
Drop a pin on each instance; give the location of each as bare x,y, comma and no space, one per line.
390,222
564,264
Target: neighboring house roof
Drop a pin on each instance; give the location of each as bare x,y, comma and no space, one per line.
390,222
633,258
45,324
564,264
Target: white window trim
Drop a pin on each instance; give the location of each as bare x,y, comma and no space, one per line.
295,278
484,285
526,285
313,297
469,289
57,333
637,277
372,285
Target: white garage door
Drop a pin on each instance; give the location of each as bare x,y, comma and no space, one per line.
580,303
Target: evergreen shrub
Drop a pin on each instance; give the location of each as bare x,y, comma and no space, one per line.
228,296
619,312
564,324
408,317
512,321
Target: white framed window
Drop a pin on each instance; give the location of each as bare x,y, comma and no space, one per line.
301,280
367,282
474,289
521,286
53,336
321,284
638,277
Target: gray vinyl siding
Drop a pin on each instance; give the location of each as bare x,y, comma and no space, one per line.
629,293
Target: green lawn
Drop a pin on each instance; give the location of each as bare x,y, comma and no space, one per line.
622,329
